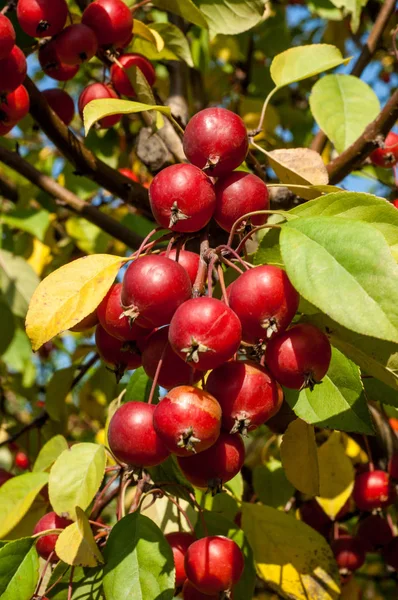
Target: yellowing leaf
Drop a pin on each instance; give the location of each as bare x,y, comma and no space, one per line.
301,62
300,166
68,295
290,556
142,30
75,477
16,498
336,475
300,457
40,257
97,109
76,544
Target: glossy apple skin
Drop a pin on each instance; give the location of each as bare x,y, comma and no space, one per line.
132,437
373,489
46,545
180,542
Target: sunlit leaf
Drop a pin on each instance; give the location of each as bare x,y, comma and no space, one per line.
19,570
97,109
68,295
50,452
301,62
16,497
300,458
76,545
343,106
75,478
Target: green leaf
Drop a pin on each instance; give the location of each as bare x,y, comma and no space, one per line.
88,237
235,486
301,62
292,558
271,484
87,583
380,392
345,269
18,281
30,220
343,106
352,7
176,45
375,357
139,561
139,387
231,18
357,206
7,327
169,471
338,402
97,109
18,355
19,570
58,388
219,525
268,251
183,8
49,453
16,497
76,477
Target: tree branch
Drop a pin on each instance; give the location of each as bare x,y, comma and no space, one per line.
83,159
353,157
73,202
386,11
8,189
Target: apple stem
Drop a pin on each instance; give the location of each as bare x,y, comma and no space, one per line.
369,453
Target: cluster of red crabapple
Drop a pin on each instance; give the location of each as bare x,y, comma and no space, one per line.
106,29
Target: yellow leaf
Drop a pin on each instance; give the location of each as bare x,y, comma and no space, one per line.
336,475
300,166
68,295
290,556
40,257
76,544
142,30
16,498
300,457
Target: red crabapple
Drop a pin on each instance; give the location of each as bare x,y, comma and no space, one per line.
85,324
61,103
373,489
132,437
216,465
22,461
120,79
387,156
188,260
98,91
182,198
174,371
390,553
119,355
12,70
375,531
393,466
76,44
15,106
51,64
299,357
153,288
189,592
42,18
45,545
237,194
112,319
349,554
7,36
179,542
214,564
4,476
111,21
215,140
265,302
187,420
247,394
205,333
